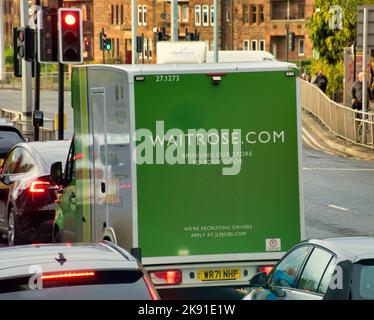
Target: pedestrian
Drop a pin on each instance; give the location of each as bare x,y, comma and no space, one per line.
357,93
321,81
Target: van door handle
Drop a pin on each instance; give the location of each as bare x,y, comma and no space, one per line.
103,187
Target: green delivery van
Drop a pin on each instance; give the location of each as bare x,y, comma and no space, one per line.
195,169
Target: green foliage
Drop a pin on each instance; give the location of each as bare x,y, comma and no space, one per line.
330,42
9,56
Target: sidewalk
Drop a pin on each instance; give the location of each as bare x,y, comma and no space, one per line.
318,137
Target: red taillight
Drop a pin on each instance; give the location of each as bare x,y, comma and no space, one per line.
166,277
151,288
39,186
266,269
68,275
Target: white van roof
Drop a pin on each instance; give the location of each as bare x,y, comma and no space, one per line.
240,56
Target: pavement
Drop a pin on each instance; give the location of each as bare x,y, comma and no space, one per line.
318,137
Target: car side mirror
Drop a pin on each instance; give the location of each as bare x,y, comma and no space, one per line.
259,280
56,173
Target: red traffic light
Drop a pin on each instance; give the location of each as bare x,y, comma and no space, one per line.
70,19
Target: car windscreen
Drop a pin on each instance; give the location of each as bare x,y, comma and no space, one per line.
363,280
107,285
8,139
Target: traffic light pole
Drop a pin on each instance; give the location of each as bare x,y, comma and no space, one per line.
37,79
102,44
60,93
26,73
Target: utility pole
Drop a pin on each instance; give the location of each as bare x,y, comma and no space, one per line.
102,43
134,31
60,93
287,41
2,53
174,20
26,73
364,81
37,72
216,40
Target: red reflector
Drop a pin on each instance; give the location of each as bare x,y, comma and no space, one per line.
39,186
266,269
167,277
70,19
68,275
79,156
216,74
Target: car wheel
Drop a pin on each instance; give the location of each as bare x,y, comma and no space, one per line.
13,235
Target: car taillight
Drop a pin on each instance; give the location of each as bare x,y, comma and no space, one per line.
166,277
151,288
68,275
39,186
266,269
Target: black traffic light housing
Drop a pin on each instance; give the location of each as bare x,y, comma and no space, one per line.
107,43
17,62
25,47
48,36
70,35
291,41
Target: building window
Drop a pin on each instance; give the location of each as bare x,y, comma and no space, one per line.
198,15
140,16
261,45
112,14
122,14
117,15
262,14
245,13
184,13
144,15
246,45
254,45
117,47
212,15
147,49
301,47
205,15
302,10
254,14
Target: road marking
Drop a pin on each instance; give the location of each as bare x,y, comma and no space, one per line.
337,207
307,137
340,169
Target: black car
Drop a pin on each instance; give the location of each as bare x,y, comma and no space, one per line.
100,271
331,269
27,198
9,137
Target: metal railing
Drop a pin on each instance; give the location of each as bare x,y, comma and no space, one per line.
352,125
48,81
45,133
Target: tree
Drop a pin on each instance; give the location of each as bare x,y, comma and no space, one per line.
328,42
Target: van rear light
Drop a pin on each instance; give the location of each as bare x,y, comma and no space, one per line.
266,269
68,275
166,277
151,288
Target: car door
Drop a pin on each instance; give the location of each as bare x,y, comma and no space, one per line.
8,178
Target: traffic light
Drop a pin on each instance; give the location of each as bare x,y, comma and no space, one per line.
107,44
291,41
102,38
70,36
25,48
47,36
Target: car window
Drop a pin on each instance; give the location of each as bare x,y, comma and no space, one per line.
314,270
25,162
285,274
8,139
12,161
327,277
363,280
